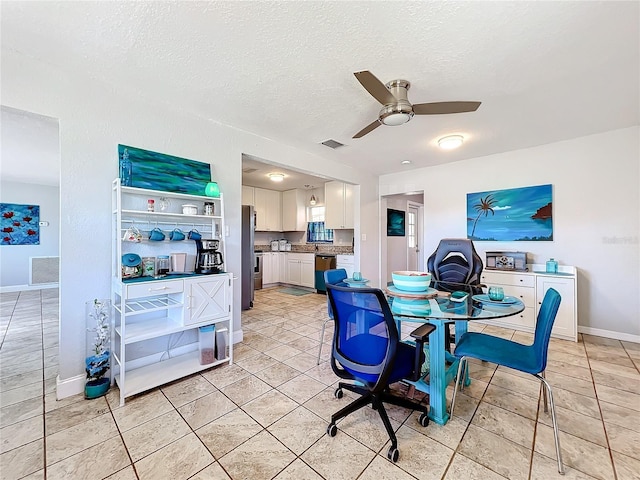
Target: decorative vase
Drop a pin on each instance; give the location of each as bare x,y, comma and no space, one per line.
98,358
212,190
96,388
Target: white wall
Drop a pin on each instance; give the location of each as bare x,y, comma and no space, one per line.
596,214
94,118
14,259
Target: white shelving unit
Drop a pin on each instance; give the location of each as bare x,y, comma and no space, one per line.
156,320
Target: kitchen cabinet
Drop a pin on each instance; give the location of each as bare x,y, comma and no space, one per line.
294,211
270,268
530,287
282,264
248,195
268,208
338,199
155,321
301,269
347,262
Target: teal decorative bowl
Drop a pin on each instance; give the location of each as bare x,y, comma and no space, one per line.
409,281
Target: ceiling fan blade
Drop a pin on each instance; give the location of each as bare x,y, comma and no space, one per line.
375,87
439,108
367,129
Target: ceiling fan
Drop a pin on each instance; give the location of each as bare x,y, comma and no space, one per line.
396,108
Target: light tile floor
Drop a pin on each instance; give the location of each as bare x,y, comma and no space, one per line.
265,416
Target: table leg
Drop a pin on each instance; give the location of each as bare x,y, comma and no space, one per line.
437,374
461,328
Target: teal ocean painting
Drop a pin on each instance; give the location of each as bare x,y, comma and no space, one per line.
515,214
158,171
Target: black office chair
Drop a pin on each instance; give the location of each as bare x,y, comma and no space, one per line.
367,349
455,261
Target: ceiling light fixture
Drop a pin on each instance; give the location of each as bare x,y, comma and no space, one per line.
276,177
405,162
313,200
450,142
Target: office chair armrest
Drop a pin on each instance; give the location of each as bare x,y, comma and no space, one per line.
422,332
420,335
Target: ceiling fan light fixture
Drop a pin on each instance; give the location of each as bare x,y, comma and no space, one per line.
450,142
313,200
276,177
396,114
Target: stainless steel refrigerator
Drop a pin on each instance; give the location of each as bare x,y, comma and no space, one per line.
248,257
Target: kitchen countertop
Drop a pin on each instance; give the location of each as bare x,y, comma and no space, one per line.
311,248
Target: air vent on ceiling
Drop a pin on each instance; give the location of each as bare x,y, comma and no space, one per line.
332,144
249,170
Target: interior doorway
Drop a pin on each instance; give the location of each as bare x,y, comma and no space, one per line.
414,224
402,252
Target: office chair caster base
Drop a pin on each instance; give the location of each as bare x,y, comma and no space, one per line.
393,454
338,393
332,430
424,420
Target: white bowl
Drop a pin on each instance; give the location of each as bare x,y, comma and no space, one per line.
410,281
190,209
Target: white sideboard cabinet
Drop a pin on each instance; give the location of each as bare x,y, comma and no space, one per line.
530,287
155,320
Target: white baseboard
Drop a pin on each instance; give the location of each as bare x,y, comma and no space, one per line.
237,336
19,288
69,386
598,332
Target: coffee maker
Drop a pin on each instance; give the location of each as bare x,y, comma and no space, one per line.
208,258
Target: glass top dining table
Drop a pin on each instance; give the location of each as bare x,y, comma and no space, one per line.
436,307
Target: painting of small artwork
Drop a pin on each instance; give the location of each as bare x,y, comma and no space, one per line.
515,214
19,224
395,223
158,171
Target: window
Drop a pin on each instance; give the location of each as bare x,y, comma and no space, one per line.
317,233
316,214
411,229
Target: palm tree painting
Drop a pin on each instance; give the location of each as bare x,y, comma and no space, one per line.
516,214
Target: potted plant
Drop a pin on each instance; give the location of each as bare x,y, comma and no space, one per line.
98,339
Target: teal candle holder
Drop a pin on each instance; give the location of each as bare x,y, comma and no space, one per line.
212,190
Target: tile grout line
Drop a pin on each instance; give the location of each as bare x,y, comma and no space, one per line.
604,426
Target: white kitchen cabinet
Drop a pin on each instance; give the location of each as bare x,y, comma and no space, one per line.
530,287
294,211
155,320
270,268
282,263
338,199
301,269
347,262
248,195
268,208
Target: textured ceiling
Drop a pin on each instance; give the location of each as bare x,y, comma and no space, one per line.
544,71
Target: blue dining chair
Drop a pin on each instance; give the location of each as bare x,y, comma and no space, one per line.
524,358
367,349
331,277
